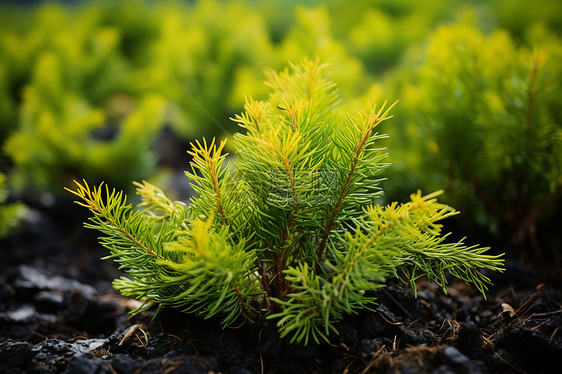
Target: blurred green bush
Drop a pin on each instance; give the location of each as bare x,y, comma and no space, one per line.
482,117
86,89
68,108
10,213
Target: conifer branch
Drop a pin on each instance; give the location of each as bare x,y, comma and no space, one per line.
106,212
374,119
412,230
208,160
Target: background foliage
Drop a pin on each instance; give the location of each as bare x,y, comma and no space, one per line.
94,90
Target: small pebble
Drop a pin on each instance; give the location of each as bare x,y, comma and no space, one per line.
454,357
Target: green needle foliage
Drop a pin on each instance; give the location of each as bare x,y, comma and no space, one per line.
290,231
488,125
10,213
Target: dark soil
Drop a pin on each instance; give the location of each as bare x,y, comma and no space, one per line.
59,314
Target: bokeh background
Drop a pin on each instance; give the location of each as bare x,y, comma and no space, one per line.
115,91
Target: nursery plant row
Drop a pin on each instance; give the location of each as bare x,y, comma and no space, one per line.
85,91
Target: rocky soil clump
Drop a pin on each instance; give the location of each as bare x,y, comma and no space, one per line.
52,324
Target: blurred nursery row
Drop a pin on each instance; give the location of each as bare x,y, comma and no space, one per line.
115,92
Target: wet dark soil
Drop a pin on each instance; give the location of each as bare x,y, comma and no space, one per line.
59,314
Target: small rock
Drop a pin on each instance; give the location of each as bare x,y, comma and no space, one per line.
469,339
23,314
34,280
14,354
426,336
387,342
367,347
455,358
80,364
76,304
374,326
416,337
51,349
89,345
529,346
347,335
386,313
48,300
123,364
553,323
445,369
478,367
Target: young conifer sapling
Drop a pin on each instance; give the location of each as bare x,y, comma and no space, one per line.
290,229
